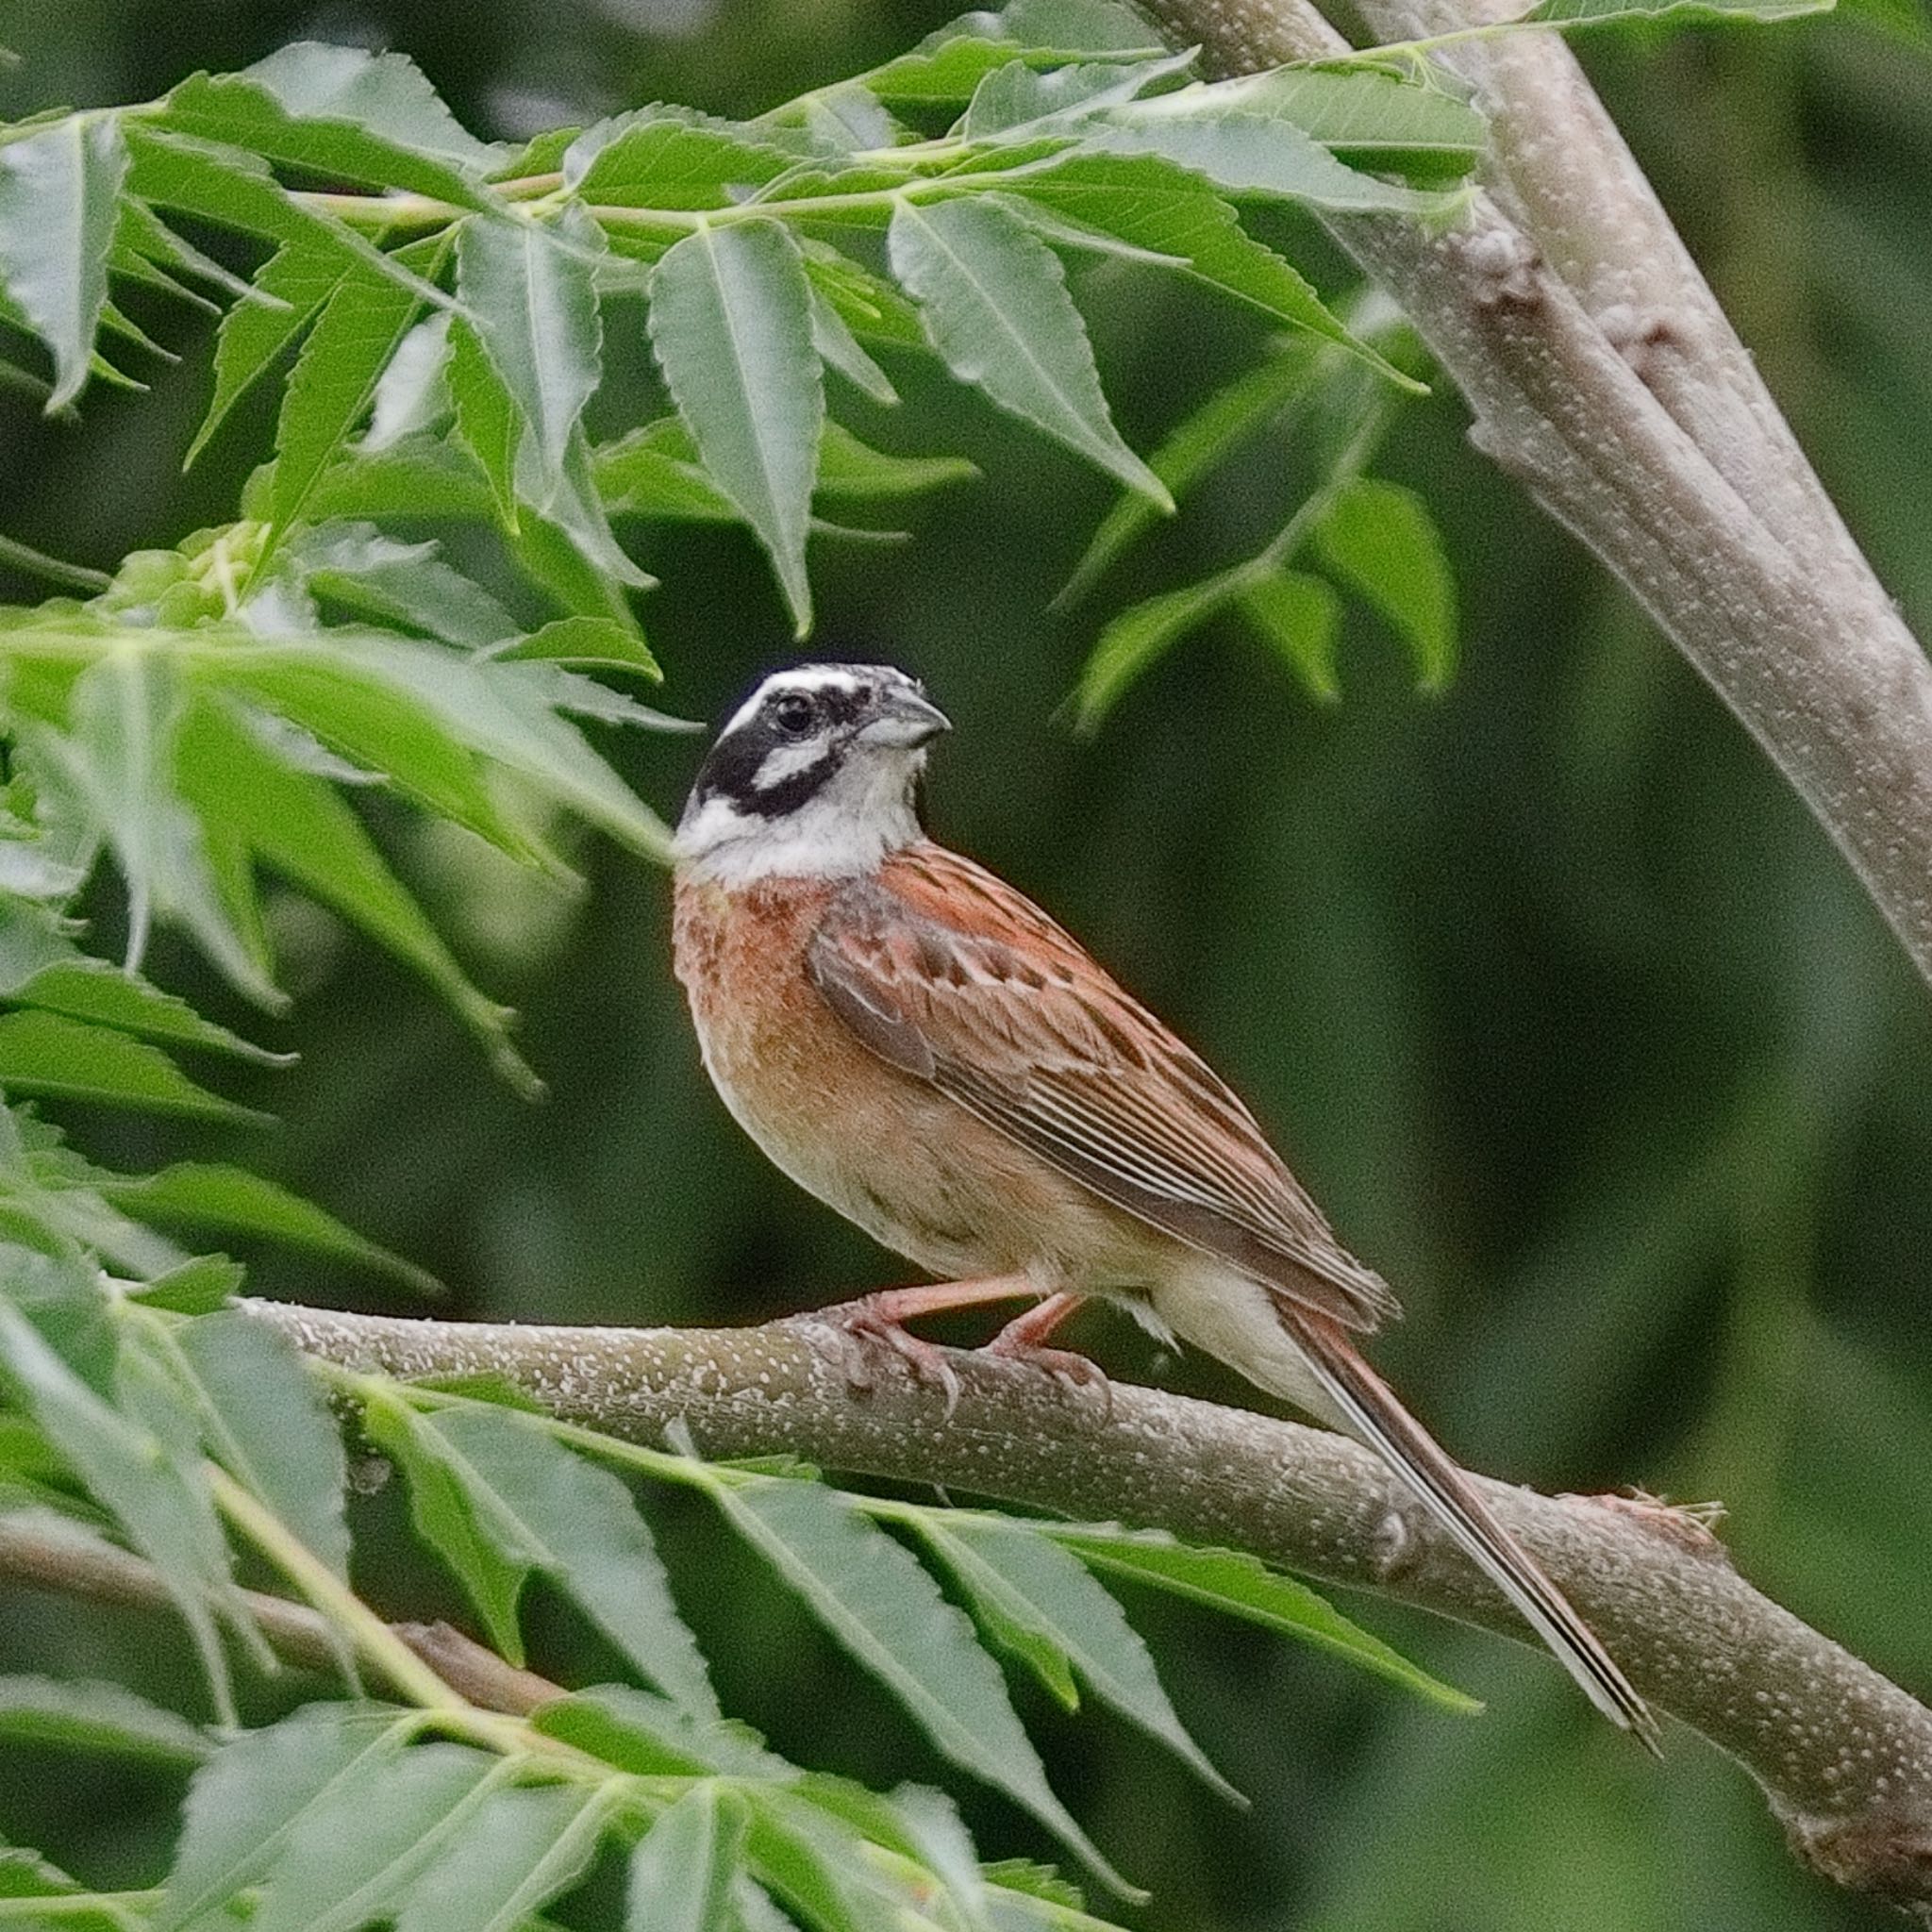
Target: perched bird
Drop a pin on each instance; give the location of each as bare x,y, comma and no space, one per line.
918,1044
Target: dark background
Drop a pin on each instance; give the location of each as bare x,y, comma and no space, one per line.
1565,1008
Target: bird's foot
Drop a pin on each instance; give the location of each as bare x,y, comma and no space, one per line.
1023,1340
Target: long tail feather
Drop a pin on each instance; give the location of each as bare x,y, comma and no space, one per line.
1370,1410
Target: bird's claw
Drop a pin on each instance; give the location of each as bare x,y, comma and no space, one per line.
1072,1371
868,1329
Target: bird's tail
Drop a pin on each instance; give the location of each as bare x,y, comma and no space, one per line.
1369,1408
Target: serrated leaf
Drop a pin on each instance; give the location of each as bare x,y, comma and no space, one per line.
119,759
1382,542
297,825
594,641
1017,98
527,288
264,1420
489,1562
1137,638
670,158
247,1799
41,967
731,325
252,334
48,1053
412,393
1370,118
517,1851
162,1508
1152,206
651,1736
347,702
489,423
332,385
1244,407
59,193
1600,12
81,1714
577,1524
1248,151
1300,616
839,349
876,1599
854,470
682,1871
355,1854
1241,1586
339,112
409,584
1040,1601
994,301
503,713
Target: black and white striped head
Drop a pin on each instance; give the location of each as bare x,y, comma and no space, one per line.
816,774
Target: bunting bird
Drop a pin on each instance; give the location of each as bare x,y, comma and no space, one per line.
918,1044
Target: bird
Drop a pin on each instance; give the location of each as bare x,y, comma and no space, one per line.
914,1041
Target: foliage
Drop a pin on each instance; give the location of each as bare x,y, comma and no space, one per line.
452,321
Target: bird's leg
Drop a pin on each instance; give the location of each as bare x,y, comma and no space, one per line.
879,1321
1024,1340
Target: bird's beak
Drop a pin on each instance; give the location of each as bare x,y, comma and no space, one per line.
907,720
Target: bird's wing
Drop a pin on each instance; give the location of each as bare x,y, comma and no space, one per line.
944,970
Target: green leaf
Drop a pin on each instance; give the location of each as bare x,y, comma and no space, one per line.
265,1421
355,565
48,1053
340,112
345,701
1382,542
245,1802
1245,408
1600,12
517,1851
355,1854
489,1562
670,158
59,192
651,1736
682,1870
1038,1601
81,1714
544,1506
120,759
994,301
1138,639
40,967
873,1597
332,385
526,289
731,325
1230,140
504,712
1370,118
197,1287
592,641
839,349
412,395
1240,1585
162,1507
489,423
296,824
1151,205
1300,617
854,470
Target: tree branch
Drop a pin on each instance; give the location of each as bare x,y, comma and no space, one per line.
1843,1756
1602,371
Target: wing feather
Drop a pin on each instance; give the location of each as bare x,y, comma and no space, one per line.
947,972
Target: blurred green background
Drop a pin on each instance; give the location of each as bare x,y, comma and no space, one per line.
1561,1004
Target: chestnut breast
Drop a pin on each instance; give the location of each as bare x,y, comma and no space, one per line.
912,1167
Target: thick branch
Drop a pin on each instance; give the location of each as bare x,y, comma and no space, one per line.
1601,370
1843,1756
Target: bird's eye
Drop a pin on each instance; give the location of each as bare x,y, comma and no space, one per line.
792,715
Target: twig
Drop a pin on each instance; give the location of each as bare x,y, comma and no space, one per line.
37,1547
1843,1756
1602,371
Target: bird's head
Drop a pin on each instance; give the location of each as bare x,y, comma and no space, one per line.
815,775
